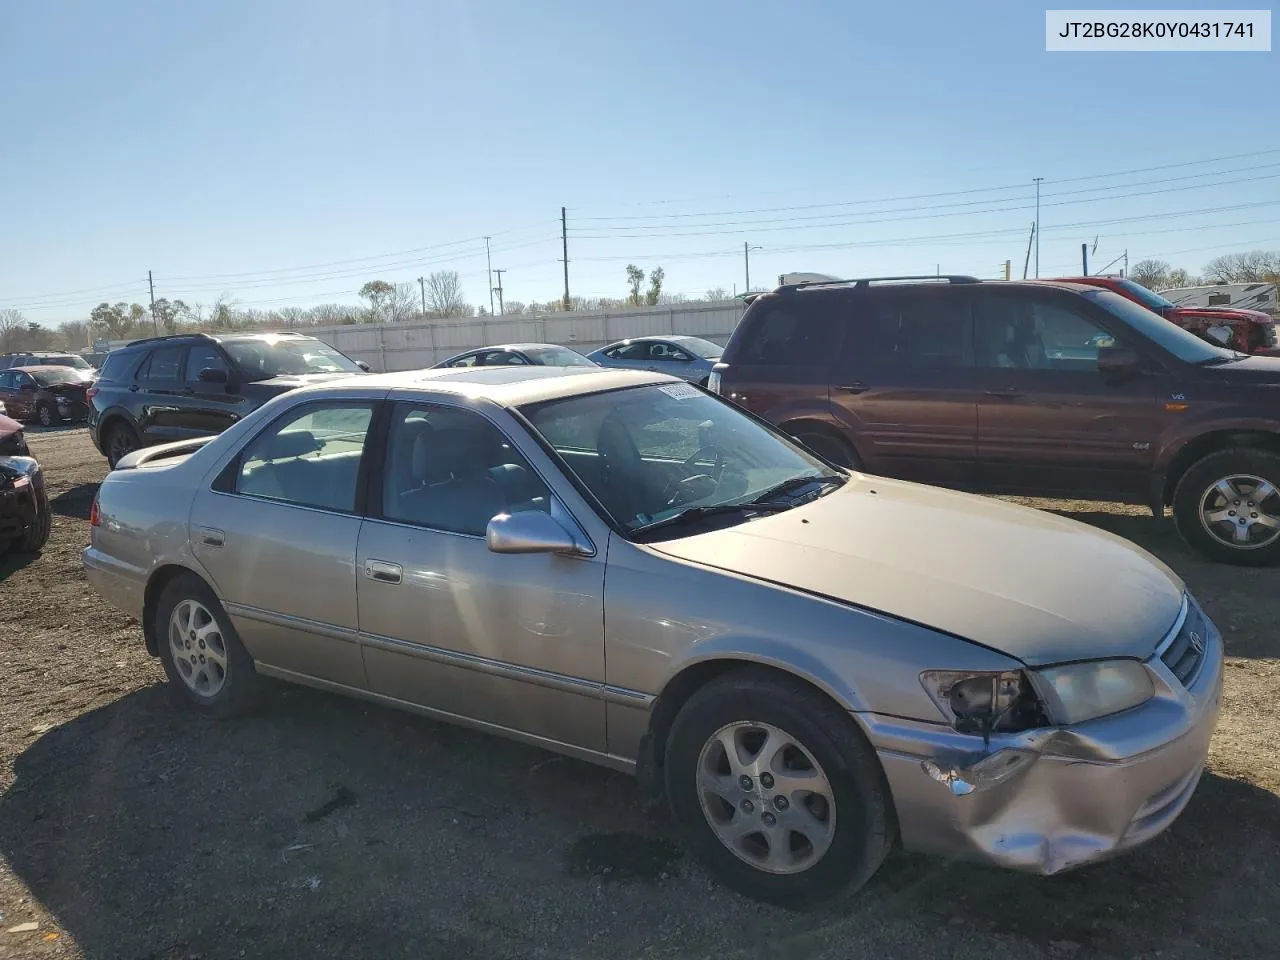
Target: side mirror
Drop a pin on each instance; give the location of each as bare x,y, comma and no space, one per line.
530,531
213,375
1118,362
362,365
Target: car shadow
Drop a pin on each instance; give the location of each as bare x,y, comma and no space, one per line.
74,502
12,560
329,827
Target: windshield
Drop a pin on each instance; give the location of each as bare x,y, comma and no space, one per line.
48,376
1149,298
647,453
263,359
1183,345
556,357
702,348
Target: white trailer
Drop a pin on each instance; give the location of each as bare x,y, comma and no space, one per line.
1240,296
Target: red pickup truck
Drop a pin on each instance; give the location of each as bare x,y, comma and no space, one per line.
1249,331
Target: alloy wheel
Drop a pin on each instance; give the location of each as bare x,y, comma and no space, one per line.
765,797
1241,511
198,648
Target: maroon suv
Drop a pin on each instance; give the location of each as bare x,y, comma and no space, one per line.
1032,388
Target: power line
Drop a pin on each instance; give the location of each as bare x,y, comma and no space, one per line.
947,193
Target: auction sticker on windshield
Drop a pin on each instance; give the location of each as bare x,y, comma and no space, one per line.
679,391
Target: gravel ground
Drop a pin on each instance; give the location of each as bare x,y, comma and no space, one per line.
327,827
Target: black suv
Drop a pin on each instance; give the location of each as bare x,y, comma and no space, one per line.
191,385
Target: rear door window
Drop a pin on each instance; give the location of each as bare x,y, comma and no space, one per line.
803,329
908,329
164,364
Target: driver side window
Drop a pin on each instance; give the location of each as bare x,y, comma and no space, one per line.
1012,332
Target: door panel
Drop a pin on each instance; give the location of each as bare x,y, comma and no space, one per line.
905,386
159,386
513,640
279,545
1048,420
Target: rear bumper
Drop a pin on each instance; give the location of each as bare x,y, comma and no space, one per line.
1078,794
121,585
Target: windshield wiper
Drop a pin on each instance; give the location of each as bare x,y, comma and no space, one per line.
1216,361
795,483
719,509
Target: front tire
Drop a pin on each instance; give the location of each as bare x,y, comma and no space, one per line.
776,789
1227,506
46,416
37,534
203,657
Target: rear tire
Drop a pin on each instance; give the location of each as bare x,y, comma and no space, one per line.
216,676
120,441
1227,506
793,825
830,447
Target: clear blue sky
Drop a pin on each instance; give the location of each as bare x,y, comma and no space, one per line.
242,144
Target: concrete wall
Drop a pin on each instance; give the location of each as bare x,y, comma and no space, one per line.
411,346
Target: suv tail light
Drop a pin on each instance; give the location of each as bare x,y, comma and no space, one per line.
95,515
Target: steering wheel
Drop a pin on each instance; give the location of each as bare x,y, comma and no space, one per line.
679,491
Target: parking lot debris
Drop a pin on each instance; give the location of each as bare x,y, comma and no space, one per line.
29,927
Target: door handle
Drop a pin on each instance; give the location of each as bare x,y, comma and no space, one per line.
856,387
1006,394
134,388
382,571
211,536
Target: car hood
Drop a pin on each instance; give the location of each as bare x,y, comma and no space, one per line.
1027,583
1224,313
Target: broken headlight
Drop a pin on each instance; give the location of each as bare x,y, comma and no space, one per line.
985,703
1084,691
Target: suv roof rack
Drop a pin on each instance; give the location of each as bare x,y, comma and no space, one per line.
170,336
867,281
201,335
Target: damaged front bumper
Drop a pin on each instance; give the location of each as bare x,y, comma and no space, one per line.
22,496
1051,799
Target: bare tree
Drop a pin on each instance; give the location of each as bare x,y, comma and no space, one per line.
716,293
75,333
12,326
444,295
403,302
1152,274
379,294
1252,267
1179,277
294,317
512,307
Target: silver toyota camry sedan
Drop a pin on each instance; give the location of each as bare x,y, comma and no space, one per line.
810,664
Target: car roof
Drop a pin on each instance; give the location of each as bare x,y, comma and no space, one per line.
507,386
34,367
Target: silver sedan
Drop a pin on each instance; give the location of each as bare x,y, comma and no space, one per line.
689,358
809,663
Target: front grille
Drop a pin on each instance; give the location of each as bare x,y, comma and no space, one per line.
1185,653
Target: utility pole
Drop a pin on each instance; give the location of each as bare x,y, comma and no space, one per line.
1008,269
498,290
1084,259
1027,261
746,263
422,285
564,240
489,262
154,320
1038,181
1125,272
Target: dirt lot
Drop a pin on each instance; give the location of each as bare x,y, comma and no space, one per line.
330,828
